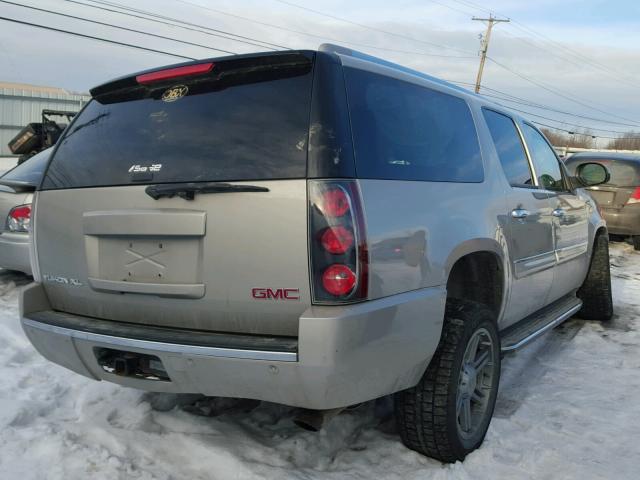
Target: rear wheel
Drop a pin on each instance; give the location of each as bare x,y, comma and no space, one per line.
595,292
446,416
636,242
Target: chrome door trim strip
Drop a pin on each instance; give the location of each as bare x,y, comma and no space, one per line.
567,253
535,263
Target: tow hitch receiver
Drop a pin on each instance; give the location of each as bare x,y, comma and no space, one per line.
131,364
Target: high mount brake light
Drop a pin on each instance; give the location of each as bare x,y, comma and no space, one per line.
19,219
339,257
177,72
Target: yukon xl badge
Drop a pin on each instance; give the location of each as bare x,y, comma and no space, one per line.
175,93
62,280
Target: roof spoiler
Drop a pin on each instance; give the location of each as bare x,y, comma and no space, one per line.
251,61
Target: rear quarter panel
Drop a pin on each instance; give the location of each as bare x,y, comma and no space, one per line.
418,230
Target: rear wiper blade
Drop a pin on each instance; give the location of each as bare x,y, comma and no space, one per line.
188,190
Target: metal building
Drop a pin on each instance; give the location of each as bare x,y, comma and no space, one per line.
21,104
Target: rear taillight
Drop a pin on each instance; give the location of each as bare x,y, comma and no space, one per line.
19,219
338,280
337,240
339,257
635,196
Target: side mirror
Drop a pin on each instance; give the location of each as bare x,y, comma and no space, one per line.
591,174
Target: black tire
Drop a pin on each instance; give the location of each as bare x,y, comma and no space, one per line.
636,242
426,415
595,292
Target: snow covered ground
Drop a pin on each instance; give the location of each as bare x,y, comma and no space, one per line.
569,408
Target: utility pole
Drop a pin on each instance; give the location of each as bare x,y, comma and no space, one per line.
484,44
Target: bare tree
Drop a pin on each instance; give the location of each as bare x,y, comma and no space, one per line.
583,139
628,141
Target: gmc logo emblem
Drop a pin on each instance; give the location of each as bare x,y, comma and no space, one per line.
278,294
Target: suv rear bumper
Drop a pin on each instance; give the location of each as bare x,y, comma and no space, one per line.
345,354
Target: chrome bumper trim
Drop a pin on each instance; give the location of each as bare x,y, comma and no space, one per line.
164,347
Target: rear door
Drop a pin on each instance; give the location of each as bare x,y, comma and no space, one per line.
182,201
570,216
528,219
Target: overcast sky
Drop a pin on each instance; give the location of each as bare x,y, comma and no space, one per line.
588,52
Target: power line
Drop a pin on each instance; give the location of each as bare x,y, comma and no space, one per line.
116,26
558,92
219,33
519,38
451,8
561,121
523,101
323,38
368,27
520,101
100,39
571,132
543,107
613,73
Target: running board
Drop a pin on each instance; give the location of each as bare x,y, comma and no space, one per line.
518,335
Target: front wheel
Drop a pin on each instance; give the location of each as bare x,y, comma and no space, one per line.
446,416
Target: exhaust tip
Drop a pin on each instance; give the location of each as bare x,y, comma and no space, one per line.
307,426
315,420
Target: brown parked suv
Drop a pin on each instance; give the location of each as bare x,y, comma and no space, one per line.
619,198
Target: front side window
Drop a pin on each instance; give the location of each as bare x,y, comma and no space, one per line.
403,131
544,160
509,148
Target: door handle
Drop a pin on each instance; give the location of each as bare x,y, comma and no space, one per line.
519,213
558,212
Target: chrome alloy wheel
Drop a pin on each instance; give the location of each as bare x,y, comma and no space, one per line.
475,383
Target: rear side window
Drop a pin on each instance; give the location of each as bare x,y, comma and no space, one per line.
623,174
237,126
544,160
509,147
403,131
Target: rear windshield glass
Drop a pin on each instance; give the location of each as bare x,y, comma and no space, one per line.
29,172
403,131
623,173
253,127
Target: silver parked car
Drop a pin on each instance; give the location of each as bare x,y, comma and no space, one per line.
313,228
16,192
